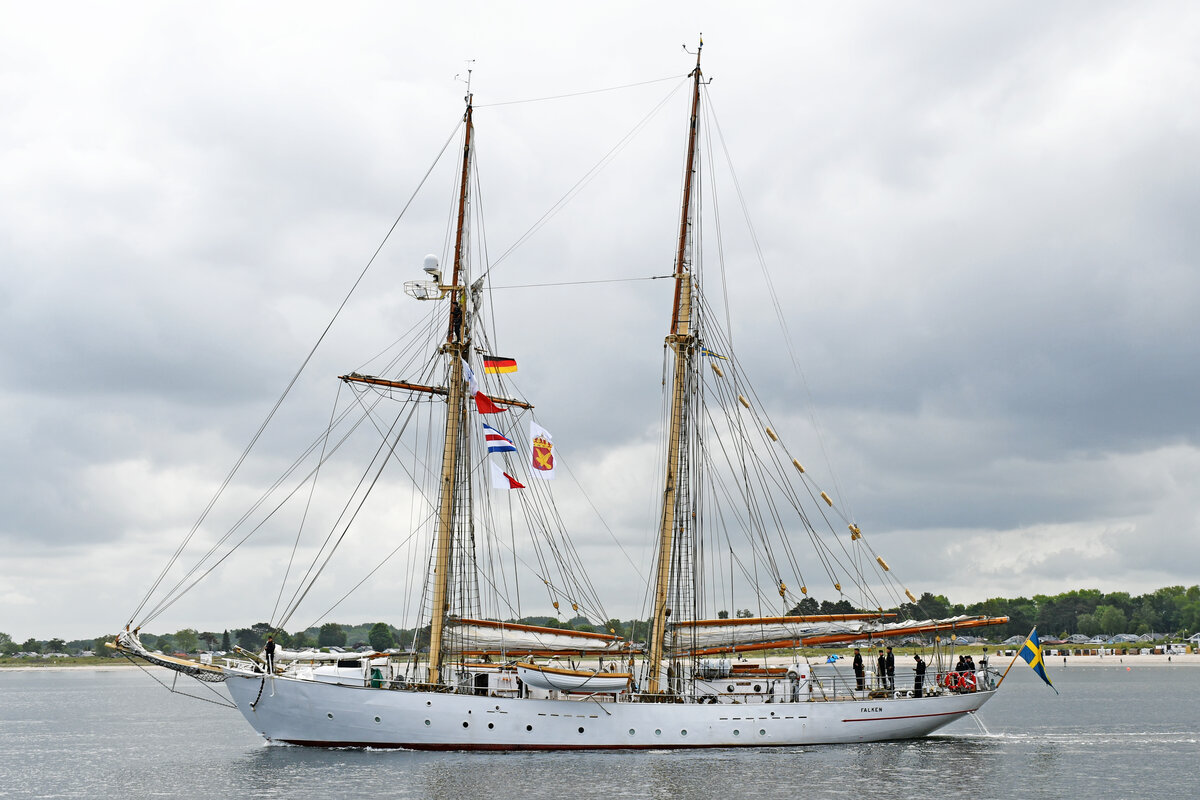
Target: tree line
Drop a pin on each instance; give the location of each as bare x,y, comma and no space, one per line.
1171,610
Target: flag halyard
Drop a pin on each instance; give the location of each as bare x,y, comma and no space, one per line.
484,404
497,442
543,451
502,480
501,364
1031,651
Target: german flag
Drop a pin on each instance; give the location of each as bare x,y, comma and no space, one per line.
499,364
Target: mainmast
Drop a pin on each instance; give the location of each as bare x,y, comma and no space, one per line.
457,342
681,341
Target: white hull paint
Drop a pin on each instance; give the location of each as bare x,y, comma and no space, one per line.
320,714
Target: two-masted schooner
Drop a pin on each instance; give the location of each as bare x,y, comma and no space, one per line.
686,680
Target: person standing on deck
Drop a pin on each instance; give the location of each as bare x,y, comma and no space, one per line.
858,670
269,653
890,663
919,679
881,671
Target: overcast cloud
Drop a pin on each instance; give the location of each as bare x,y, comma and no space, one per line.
981,220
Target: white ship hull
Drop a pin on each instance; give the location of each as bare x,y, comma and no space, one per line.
306,712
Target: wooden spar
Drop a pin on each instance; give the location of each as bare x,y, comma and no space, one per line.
1016,655
455,328
591,673
456,345
354,377
781,620
522,652
836,638
686,215
680,340
516,626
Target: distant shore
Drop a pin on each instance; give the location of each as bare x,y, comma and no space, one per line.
63,667
902,658
1184,659
997,660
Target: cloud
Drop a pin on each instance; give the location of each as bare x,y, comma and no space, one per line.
979,223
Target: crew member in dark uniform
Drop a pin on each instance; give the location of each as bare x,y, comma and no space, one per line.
890,663
269,652
858,670
919,680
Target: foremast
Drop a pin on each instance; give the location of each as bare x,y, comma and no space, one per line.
456,345
681,341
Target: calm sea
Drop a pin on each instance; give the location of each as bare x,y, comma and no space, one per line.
1111,733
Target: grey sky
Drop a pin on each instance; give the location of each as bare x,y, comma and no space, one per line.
981,220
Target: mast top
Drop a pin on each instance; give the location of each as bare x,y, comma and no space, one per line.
470,68
698,49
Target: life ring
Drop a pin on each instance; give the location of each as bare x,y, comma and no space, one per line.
950,681
967,681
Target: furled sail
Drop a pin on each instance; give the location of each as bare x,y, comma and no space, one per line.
488,637
315,656
703,637
127,642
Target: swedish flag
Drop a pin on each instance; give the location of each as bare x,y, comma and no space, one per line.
1031,651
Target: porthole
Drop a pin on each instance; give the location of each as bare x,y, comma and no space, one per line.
657,732
758,687
762,732
378,720
736,732
729,688
426,723
581,730
330,715
631,731
466,724
528,727
428,702
683,733
491,725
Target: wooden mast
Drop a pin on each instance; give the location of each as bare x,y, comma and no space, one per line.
456,345
680,340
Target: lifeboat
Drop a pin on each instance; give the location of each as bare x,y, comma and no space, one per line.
572,680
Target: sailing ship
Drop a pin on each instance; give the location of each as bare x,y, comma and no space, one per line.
688,679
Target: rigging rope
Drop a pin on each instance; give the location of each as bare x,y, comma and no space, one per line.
578,94
583,181
580,283
779,315
287,389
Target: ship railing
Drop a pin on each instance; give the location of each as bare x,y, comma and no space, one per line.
836,685
962,681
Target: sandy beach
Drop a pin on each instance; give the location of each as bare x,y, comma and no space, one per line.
998,660
1186,659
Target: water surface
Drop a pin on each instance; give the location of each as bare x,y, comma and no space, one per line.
1111,733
